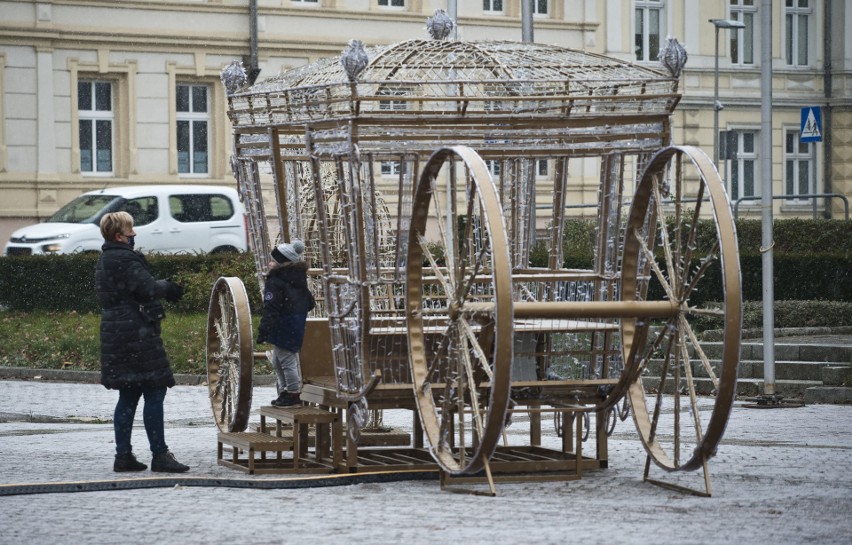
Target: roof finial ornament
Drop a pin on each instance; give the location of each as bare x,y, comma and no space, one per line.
673,56
439,25
233,77
354,59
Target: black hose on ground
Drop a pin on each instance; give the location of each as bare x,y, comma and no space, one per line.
312,481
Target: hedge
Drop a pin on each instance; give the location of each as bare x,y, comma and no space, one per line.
812,260
67,282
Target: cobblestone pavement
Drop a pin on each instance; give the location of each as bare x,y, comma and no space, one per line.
780,476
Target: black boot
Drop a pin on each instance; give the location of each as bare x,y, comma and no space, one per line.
127,462
165,462
287,399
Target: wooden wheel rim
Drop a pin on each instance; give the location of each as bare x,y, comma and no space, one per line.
501,355
635,332
229,354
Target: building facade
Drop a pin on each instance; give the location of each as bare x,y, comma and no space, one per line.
105,93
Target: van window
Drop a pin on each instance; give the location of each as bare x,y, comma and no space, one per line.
144,210
83,209
205,207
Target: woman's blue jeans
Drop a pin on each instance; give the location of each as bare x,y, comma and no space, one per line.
152,416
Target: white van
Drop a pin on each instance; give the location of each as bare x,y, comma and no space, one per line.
167,218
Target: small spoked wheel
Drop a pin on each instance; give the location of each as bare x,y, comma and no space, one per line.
459,310
670,255
229,354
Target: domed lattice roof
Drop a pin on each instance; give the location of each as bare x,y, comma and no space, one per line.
423,91
431,60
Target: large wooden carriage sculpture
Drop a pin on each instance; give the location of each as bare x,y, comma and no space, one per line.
426,178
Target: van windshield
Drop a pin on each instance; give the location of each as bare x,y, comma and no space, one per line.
83,209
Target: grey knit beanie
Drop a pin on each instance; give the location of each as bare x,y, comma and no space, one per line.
288,252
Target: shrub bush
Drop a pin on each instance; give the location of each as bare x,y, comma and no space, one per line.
812,260
67,282
788,314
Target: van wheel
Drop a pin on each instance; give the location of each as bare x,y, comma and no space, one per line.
224,250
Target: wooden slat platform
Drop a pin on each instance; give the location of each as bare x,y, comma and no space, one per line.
392,438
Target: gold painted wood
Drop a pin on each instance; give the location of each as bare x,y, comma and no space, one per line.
229,354
463,362
684,434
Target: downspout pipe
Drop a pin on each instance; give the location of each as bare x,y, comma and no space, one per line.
453,12
253,70
527,21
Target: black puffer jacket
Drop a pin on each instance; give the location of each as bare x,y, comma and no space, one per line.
286,304
132,353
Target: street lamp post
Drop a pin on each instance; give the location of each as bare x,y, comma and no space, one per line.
719,23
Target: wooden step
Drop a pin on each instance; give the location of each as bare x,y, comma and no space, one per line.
252,443
327,427
307,415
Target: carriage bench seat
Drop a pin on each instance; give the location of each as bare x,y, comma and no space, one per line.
302,418
252,442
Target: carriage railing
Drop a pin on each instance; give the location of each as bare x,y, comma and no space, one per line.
458,98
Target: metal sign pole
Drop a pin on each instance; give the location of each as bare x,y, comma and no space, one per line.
766,194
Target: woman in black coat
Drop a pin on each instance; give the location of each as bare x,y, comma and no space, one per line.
133,360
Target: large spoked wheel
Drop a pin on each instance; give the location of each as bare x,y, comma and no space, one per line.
229,354
459,310
667,256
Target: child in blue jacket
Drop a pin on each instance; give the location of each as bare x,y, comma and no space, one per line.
286,303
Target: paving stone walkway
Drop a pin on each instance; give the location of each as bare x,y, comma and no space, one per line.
780,476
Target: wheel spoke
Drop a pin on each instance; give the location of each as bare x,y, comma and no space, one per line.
649,255
449,254
664,371
471,279
664,239
484,364
708,260
693,231
677,391
473,392
687,367
436,270
705,361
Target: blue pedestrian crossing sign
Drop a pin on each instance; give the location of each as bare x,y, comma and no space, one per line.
811,125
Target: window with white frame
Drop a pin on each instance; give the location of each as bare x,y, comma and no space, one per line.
392,168
649,29
797,165
193,121
392,3
492,6
540,7
742,39
797,15
542,168
96,121
741,150
392,91
305,1
494,167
